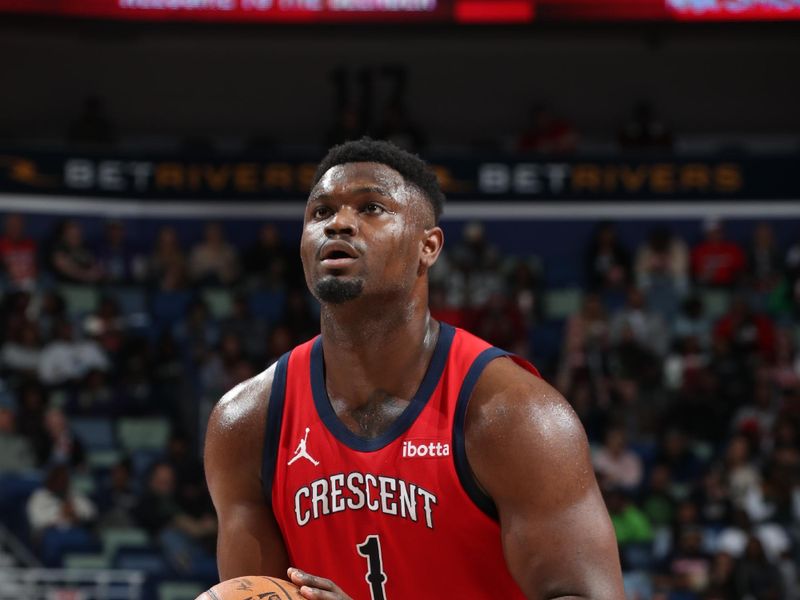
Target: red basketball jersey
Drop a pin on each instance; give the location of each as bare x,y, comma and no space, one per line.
394,517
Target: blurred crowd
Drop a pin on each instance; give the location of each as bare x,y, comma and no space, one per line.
680,359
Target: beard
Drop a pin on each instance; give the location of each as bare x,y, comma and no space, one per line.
338,291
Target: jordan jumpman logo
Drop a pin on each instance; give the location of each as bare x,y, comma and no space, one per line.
301,451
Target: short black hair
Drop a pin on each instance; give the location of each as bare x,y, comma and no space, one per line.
413,169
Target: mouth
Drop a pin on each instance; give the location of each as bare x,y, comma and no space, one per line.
338,254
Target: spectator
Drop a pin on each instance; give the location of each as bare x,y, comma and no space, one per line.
187,540
22,351
608,262
500,323
616,465
633,530
107,326
70,259
16,452
475,273
524,286
756,577
547,133
586,343
741,473
18,254
198,332
60,517
65,359
249,328
167,266
763,259
120,261
269,263
717,261
116,499
792,273
750,334
645,326
61,446
689,564
214,261
692,322
645,129
662,271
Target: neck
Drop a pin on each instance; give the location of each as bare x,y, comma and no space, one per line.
370,346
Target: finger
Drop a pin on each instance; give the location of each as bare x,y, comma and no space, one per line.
316,594
301,578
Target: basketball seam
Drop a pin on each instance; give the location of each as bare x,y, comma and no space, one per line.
288,597
213,594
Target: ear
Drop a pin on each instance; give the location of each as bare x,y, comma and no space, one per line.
432,244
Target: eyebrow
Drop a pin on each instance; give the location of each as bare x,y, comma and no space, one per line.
367,189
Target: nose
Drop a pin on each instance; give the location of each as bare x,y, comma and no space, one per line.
344,222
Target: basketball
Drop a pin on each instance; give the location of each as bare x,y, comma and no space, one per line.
256,587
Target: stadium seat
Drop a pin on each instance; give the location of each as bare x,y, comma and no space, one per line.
131,300
143,434
79,299
124,537
86,561
563,302
219,301
102,459
141,559
168,308
715,302
179,590
96,433
267,304
83,483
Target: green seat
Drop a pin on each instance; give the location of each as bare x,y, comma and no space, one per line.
179,590
143,434
715,302
83,483
562,303
219,301
102,459
86,561
128,537
80,299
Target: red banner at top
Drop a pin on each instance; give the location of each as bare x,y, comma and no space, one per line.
411,11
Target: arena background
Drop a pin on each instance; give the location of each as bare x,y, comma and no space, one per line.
623,209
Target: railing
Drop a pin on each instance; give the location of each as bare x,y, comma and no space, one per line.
71,584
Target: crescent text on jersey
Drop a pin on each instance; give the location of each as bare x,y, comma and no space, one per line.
363,491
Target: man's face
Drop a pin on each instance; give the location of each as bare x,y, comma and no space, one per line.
364,232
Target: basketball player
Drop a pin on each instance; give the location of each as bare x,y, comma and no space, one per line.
394,456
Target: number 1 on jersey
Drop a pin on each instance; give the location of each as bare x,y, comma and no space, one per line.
376,578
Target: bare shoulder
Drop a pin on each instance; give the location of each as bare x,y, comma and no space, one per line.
236,425
244,403
508,396
514,416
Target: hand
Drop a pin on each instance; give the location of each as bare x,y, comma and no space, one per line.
315,588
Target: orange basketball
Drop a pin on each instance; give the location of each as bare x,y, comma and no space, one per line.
256,587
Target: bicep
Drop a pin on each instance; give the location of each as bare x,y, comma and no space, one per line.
249,541
529,452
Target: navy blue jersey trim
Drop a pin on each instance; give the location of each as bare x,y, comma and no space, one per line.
418,402
465,476
272,428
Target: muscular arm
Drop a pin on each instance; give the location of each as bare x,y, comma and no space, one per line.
249,541
529,452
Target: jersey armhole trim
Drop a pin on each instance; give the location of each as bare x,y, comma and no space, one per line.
272,427
463,470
